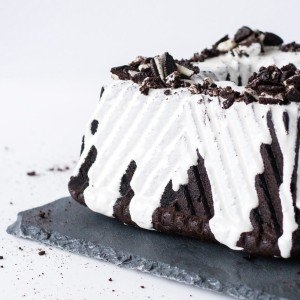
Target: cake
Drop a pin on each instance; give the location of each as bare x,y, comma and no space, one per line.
206,147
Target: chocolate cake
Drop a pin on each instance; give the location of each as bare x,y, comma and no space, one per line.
206,147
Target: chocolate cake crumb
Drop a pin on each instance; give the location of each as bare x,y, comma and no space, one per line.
60,169
31,173
242,34
271,39
1,257
42,252
245,36
291,47
20,248
167,92
272,85
121,72
110,279
151,82
42,214
142,286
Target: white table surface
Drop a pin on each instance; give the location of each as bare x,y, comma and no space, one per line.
54,56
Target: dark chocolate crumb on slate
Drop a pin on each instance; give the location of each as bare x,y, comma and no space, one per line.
94,126
42,214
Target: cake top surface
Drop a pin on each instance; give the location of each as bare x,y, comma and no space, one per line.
256,60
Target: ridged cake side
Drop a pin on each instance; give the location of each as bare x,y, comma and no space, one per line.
182,164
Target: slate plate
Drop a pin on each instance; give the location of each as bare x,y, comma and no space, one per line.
75,228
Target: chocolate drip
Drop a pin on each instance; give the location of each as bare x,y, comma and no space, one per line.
267,217
79,183
188,210
296,234
121,207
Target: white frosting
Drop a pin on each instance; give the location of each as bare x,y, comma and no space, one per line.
162,134
234,65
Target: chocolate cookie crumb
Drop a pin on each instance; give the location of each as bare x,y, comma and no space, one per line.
273,85
271,39
31,173
242,34
1,257
142,286
42,252
42,214
291,47
110,279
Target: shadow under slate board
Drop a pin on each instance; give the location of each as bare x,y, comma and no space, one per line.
72,227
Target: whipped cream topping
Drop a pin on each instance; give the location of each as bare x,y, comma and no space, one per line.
162,135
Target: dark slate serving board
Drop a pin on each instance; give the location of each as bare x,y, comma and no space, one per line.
72,227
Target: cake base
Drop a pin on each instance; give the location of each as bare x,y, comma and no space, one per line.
68,225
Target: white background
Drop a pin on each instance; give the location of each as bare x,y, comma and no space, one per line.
54,57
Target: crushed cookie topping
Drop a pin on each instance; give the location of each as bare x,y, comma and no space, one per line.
273,85
245,36
161,71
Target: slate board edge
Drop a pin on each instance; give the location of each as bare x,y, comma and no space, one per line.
125,260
